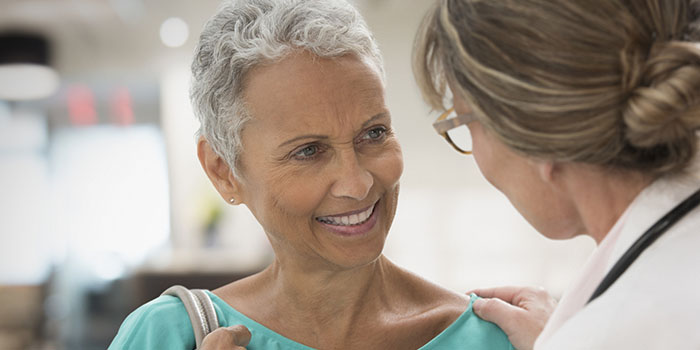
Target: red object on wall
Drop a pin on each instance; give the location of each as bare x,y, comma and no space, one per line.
121,107
81,105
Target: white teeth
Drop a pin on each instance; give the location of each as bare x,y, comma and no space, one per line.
354,219
363,216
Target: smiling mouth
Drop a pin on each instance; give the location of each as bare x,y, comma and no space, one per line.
357,218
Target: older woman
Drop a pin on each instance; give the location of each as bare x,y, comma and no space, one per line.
290,96
585,114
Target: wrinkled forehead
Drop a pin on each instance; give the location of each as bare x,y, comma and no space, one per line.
303,80
306,91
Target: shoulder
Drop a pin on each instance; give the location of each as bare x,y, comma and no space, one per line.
427,293
243,296
470,332
631,324
666,269
450,316
432,305
659,288
162,323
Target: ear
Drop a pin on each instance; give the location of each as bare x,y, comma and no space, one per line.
218,172
546,169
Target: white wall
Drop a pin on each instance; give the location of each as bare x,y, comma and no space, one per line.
25,252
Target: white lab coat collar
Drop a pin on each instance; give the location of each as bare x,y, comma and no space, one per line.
655,201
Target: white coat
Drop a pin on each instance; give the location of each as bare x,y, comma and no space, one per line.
655,304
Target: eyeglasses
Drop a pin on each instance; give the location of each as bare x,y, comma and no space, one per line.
448,125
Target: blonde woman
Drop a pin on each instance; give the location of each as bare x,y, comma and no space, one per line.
585,114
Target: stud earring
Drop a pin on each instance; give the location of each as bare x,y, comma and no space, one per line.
232,200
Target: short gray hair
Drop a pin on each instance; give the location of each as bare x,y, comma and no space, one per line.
246,33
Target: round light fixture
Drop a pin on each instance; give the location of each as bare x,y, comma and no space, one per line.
174,32
24,70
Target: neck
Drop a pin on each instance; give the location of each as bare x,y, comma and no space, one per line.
602,196
325,300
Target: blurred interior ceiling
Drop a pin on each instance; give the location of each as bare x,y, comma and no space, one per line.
106,36
111,36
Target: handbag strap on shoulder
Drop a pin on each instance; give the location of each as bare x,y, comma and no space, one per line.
199,308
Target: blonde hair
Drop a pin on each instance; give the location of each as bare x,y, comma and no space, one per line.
607,82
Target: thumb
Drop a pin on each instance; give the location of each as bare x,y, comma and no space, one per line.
497,311
241,335
234,337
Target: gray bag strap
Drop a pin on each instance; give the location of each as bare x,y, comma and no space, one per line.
200,309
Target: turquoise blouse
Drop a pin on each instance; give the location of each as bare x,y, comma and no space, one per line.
163,324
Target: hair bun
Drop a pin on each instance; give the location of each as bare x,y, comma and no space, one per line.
663,112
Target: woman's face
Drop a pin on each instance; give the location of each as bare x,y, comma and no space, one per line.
528,183
320,165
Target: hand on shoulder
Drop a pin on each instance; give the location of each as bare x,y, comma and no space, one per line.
521,312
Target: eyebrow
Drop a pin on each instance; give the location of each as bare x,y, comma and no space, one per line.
324,137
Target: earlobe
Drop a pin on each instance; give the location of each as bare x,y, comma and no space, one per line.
218,172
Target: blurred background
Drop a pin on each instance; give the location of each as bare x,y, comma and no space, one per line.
103,203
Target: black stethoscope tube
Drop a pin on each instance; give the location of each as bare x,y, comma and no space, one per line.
654,232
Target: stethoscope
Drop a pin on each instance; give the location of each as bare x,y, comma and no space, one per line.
651,235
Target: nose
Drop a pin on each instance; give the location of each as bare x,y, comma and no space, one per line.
352,180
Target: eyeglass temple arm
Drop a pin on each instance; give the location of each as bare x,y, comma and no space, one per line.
442,126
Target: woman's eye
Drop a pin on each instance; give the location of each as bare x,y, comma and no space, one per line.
375,134
306,152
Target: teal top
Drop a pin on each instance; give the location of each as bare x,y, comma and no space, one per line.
163,323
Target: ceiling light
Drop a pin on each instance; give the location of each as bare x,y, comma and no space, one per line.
24,70
174,32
